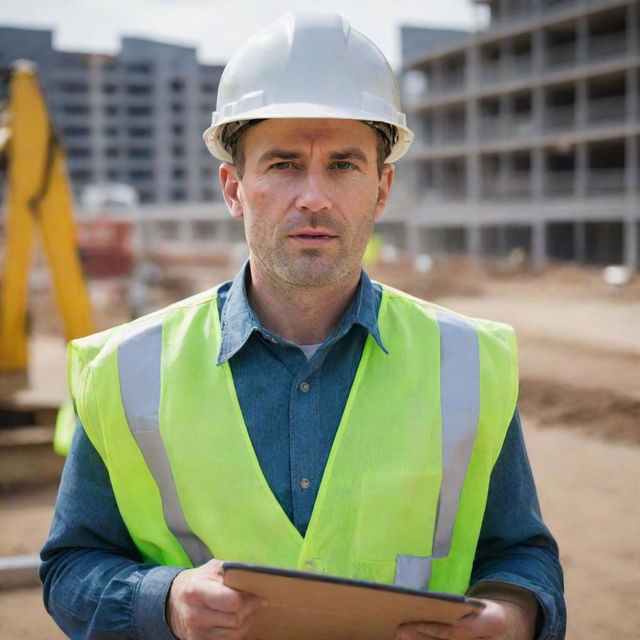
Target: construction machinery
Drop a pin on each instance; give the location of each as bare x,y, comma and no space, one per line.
38,208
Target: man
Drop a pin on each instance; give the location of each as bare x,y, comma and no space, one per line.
299,416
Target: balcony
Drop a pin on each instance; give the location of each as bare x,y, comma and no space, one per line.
550,7
606,182
559,184
559,118
515,186
607,46
603,112
512,67
490,73
560,57
520,126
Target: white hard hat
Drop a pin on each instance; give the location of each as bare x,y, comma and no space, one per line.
308,65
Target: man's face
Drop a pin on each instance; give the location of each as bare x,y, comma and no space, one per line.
309,196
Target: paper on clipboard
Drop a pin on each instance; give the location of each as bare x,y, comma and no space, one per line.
308,606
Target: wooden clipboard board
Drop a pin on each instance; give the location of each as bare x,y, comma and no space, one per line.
308,606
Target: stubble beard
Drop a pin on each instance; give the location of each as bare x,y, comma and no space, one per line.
311,267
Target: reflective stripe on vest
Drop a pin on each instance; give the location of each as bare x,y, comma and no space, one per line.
460,398
139,364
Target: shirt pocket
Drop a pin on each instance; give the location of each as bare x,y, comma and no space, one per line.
397,514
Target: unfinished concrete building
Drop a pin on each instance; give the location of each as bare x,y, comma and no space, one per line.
134,118
527,134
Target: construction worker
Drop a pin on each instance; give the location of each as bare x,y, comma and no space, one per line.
299,416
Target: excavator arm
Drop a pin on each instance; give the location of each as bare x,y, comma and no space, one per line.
38,205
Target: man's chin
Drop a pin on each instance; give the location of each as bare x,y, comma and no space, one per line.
313,274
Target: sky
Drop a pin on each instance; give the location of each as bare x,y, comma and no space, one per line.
217,28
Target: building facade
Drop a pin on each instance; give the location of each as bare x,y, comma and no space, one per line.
527,134
135,118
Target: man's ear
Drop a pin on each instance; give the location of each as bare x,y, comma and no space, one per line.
230,189
384,187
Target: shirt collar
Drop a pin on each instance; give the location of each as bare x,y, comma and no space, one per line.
239,321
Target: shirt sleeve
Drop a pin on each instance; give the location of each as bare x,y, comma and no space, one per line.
515,546
95,583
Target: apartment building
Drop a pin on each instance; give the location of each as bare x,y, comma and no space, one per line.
134,118
527,134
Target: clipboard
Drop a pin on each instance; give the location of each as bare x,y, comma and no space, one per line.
309,606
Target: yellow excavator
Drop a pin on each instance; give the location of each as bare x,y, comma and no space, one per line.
38,202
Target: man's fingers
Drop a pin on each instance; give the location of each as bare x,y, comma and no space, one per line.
231,634
424,631
219,597
488,623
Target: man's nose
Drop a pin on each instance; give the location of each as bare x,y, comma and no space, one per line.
313,194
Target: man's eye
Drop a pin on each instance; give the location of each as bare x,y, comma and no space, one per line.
285,164
344,165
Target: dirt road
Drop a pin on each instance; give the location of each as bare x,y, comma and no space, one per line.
579,353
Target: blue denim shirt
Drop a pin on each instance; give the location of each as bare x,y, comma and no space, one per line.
95,585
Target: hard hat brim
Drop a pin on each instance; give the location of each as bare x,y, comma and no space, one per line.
211,136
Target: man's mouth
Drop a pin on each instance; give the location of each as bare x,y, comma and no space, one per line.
313,236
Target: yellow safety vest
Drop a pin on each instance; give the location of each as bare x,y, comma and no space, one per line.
404,490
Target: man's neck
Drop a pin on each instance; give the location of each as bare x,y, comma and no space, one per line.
301,315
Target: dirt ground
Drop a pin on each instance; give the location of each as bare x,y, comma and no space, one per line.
580,400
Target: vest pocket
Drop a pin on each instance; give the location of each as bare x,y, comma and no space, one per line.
397,515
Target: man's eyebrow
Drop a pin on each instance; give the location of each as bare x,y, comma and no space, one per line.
282,154
353,153
278,154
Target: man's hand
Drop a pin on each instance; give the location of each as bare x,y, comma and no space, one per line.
497,621
201,607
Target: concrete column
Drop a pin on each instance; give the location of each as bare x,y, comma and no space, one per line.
582,40
472,159
632,102
581,171
162,147
473,177
539,243
96,119
439,126
631,243
537,174
506,48
192,139
580,242
437,75
505,115
537,110
438,175
505,169
474,246
503,7
537,51
632,168
472,67
471,104
632,216
633,38
582,104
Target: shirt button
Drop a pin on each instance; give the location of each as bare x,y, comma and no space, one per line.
305,483
304,387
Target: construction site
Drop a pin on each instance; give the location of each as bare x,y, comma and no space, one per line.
579,341
577,321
